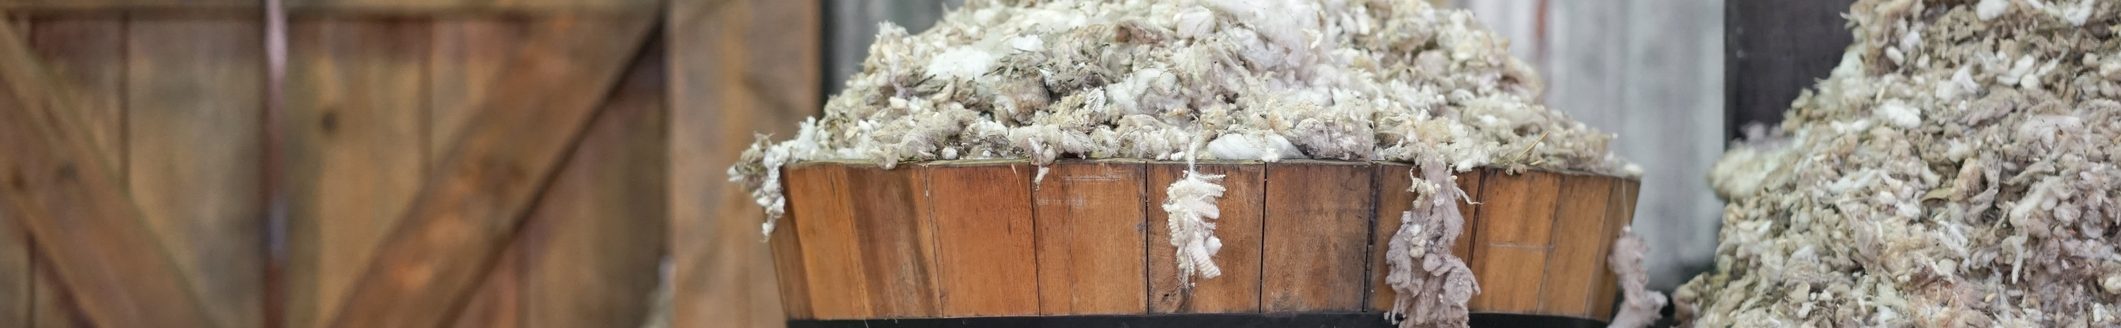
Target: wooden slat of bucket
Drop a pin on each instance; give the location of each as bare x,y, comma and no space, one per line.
1620,211
1091,239
983,235
1317,227
832,247
788,254
1578,256
1393,199
898,262
1242,206
1511,240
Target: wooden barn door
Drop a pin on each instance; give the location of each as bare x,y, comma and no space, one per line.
430,163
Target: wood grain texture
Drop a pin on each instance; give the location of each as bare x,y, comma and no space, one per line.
737,68
594,242
1393,200
88,53
1511,240
193,100
1317,227
467,54
832,260
1242,206
354,105
1578,255
1620,213
466,213
18,270
868,239
986,252
57,174
788,253
1091,239
895,233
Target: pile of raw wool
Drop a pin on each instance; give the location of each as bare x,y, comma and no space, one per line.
1264,80
1956,170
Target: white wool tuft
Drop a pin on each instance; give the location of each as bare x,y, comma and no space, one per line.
1899,114
1990,9
960,62
1190,202
1639,306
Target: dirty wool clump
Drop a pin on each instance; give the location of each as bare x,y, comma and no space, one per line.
1957,169
1253,80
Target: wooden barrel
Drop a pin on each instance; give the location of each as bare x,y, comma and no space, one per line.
1303,242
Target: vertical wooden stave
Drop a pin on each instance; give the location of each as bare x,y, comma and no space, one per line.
897,264
1317,227
987,254
1620,212
1512,240
1090,239
1577,258
1242,208
831,259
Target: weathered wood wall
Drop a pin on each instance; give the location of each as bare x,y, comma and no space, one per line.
374,104
738,67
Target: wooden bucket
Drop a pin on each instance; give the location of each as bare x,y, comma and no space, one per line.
1303,244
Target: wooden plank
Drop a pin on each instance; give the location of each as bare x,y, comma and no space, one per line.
354,104
18,270
57,174
89,53
1242,206
1393,200
1511,239
1317,228
819,196
396,7
1578,255
498,300
984,237
1620,212
193,97
737,68
1091,239
898,268
788,255
468,53
474,202
594,243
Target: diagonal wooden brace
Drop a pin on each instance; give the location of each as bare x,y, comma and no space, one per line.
83,220
468,211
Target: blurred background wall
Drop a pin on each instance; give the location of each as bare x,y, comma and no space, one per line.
1649,70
